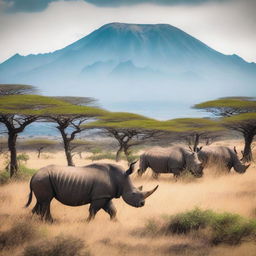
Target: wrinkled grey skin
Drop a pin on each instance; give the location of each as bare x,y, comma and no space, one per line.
221,156
170,160
96,184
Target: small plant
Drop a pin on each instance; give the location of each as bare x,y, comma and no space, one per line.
23,157
102,156
4,177
59,246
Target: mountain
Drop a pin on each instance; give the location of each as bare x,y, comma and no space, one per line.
135,62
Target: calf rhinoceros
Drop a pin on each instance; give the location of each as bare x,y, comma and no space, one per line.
170,160
222,156
96,184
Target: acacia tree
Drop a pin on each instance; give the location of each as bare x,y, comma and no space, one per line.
72,119
246,125
128,130
194,130
19,111
238,114
38,144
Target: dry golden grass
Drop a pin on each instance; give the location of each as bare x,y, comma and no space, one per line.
233,193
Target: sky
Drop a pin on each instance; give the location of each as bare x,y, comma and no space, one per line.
40,26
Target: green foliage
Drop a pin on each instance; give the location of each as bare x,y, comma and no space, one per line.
4,177
19,233
245,117
232,102
24,173
101,156
96,150
216,228
43,106
59,246
23,157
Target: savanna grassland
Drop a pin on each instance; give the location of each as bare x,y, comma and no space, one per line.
138,231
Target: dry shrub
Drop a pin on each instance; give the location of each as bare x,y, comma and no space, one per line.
58,246
18,234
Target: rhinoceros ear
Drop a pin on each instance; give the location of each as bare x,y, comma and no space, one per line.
131,168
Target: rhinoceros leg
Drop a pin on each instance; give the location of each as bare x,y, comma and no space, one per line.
95,206
110,209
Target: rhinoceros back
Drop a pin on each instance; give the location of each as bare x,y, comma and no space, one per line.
80,185
164,160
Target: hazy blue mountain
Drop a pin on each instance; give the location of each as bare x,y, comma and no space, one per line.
135,63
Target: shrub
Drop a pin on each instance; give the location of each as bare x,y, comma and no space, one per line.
4,177
96,157
17,235
59,246
23,157
217,228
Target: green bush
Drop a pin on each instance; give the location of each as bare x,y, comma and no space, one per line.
59,246
217,228
4,177
24,173
23,157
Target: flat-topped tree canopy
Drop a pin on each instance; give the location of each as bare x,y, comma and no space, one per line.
81,101
192,125
228,106
16,89
43,106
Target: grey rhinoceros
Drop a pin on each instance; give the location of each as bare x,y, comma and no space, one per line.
96,184
170,160
222,156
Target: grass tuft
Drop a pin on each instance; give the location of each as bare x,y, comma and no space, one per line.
58,246
18,234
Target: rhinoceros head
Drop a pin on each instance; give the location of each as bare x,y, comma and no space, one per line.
194,165
132,195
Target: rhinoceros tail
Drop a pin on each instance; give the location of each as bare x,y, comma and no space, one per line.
29,198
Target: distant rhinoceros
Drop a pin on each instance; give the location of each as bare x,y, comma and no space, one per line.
170,160
222,156
96,184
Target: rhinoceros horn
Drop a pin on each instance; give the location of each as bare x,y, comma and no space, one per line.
148,193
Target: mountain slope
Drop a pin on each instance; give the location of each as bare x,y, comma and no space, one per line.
151,58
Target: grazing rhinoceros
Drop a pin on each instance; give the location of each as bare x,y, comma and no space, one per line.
223,156
170,160
96,184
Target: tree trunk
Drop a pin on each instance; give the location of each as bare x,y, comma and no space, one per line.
118,154
126,152
68,151
247,152
13,154
196,142
39,152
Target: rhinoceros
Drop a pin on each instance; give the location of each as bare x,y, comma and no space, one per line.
96,184
170,160
222,156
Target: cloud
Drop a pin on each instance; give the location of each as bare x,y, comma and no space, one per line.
40,5
26,5
157,2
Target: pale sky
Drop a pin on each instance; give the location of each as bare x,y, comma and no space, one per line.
34,26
